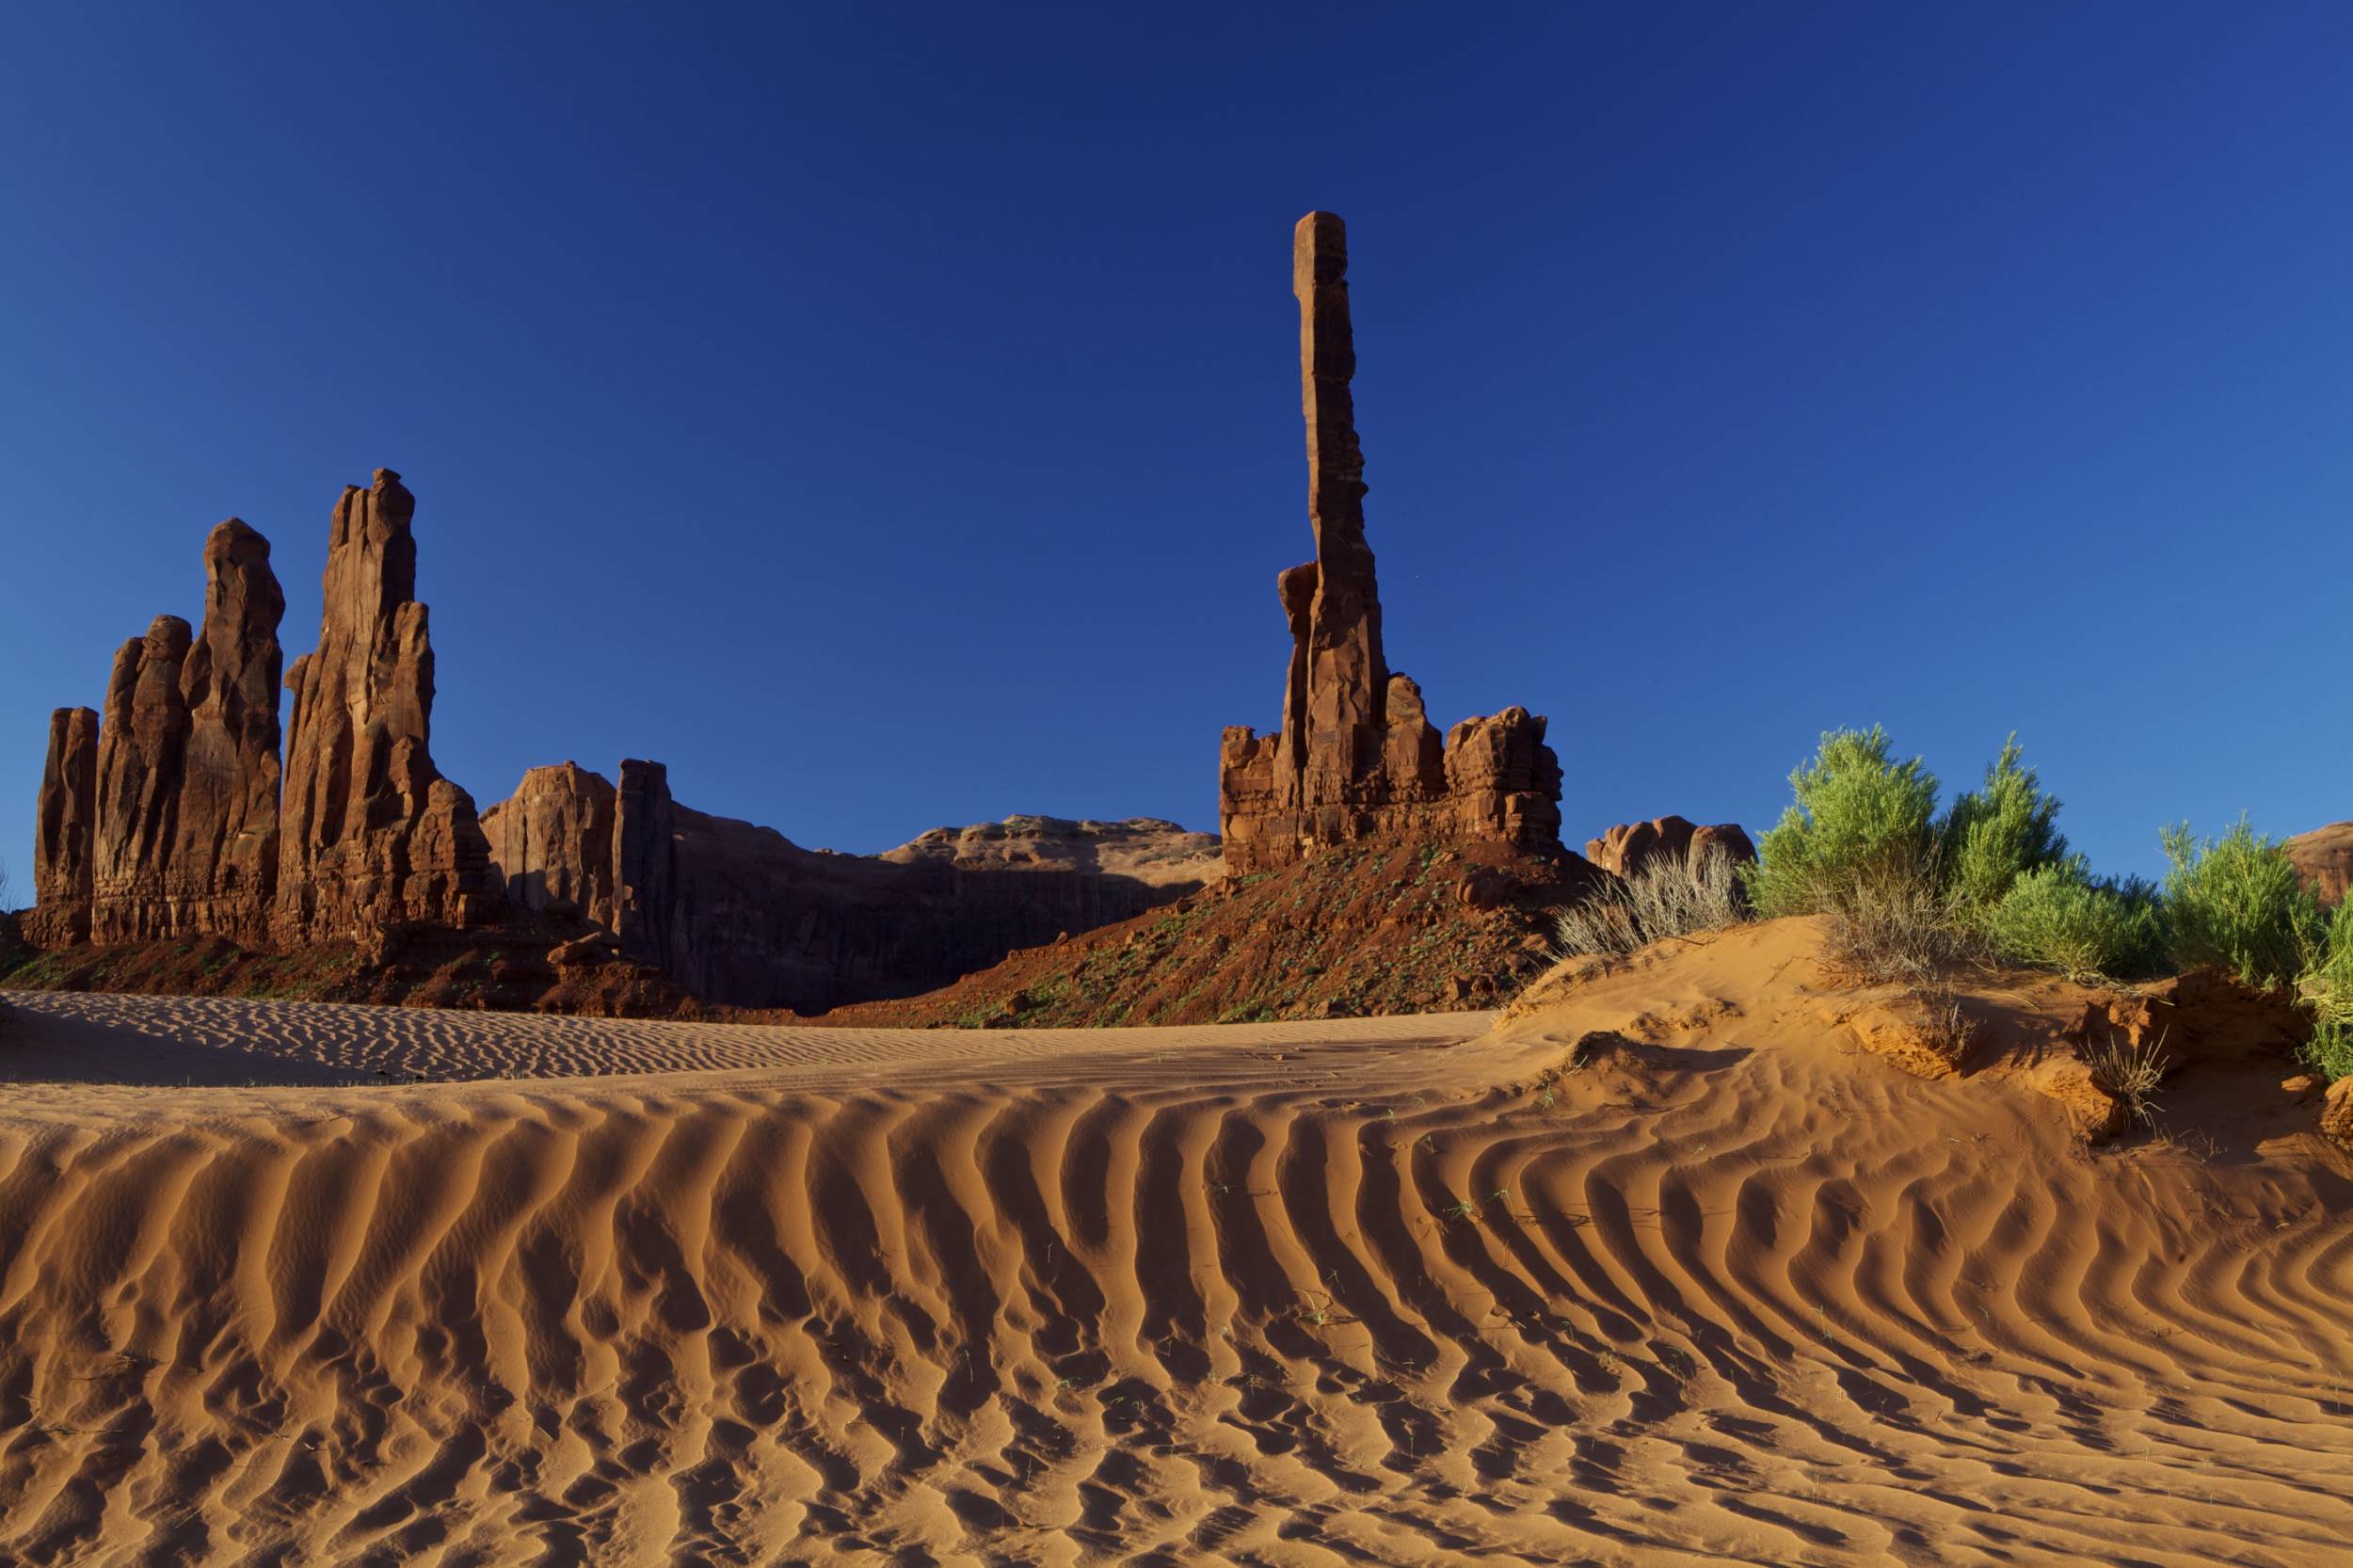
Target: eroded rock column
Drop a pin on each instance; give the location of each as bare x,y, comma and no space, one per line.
372,835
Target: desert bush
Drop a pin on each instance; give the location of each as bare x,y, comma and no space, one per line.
2237,902
2130,1073
1859,817
1993,835
1663,897
2327,985
2059,917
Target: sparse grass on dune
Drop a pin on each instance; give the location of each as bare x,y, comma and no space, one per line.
1664,896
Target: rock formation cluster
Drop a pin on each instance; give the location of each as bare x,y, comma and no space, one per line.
1357,757
169,817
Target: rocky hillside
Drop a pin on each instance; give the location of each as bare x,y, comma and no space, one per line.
1383,928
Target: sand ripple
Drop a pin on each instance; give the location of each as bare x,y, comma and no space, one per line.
1301,1295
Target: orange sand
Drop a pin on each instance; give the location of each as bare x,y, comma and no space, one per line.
1350,1292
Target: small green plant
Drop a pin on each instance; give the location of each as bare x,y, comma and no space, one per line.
2327,985
1858,813
2059,917
2237,902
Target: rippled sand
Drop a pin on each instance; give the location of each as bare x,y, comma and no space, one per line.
1348,1293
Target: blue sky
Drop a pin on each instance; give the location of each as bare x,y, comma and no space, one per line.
889,417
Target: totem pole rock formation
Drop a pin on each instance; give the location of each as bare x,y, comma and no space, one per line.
161,819
1357,757
372,834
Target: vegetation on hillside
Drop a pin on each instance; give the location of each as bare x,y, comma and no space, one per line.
1907,889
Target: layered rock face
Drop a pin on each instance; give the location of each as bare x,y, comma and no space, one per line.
372,835
1357,757
142,750
551,842
741,914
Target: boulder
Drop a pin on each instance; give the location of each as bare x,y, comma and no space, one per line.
2324,857
1623,850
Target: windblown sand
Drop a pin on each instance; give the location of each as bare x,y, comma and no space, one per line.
1350,1292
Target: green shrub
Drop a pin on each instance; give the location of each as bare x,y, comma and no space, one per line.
1993,835
2058,915
2237,902
1859,815
2328,986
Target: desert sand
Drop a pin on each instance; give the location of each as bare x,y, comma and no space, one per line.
294,1283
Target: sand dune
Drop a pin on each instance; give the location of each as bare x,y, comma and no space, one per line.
1307,1293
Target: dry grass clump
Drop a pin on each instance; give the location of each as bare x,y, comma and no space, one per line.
1893,926
1945,1028
2129,1072
1664,897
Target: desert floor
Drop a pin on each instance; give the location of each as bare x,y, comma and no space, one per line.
289,1282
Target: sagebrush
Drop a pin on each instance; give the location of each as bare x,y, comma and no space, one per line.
2060,916
2238,902
1859,815
2326,986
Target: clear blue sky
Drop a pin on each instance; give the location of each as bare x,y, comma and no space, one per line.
889,416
